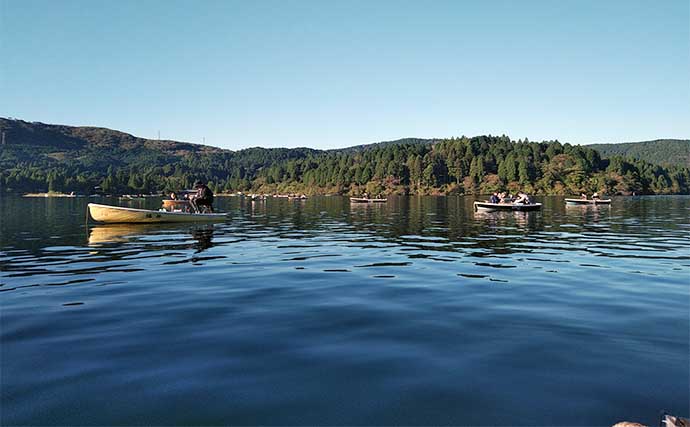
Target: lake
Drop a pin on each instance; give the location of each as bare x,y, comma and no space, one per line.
416,312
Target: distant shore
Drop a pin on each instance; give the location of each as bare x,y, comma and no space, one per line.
52,194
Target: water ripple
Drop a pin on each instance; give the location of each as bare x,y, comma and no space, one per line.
419,311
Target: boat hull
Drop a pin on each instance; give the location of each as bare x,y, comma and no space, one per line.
587,202
117,214
518,207
363,200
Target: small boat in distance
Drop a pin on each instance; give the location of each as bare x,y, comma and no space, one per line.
366,200
130,198
520,207
587,201
118,214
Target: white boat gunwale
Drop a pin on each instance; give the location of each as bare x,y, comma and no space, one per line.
507,206
366,200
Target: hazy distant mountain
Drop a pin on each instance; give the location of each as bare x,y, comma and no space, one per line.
660,151
101,147
60,140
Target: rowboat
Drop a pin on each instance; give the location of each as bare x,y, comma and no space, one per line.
521,207
118,214
365,200
588,201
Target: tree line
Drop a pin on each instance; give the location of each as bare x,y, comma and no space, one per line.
477,165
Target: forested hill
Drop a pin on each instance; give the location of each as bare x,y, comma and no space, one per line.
382,144
40,157
661,151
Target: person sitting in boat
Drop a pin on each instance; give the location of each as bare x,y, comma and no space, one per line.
523,198
494,198
202,197
595,196
173,196
583,196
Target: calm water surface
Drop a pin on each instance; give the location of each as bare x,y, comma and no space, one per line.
417,312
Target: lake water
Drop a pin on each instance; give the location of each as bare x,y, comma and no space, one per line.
416,312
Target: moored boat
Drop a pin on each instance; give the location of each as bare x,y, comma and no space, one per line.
127,197
588,201
118,214
521,207
366,200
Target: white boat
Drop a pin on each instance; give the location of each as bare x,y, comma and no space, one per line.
521,207
588,201
366,200
118,214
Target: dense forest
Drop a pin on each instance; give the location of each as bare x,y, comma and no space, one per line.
39,157
665,152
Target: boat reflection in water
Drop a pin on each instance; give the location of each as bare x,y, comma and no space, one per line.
119,233
116,233
527,220
203,236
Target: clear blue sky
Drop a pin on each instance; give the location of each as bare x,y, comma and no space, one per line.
328,74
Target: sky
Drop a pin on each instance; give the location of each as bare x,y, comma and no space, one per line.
330,74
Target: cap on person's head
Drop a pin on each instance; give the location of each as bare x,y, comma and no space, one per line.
198,183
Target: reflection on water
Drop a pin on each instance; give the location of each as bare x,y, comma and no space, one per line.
417,311
118,233
115,232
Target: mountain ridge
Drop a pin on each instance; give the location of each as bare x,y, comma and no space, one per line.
75,137
38,156
39,131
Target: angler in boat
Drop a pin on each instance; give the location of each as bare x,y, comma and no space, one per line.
366,199
499,202
523,198
203,198
583,200
178,201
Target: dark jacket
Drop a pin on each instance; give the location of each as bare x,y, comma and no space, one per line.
204,193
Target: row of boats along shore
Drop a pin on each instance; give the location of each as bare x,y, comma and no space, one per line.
174,210
524,202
